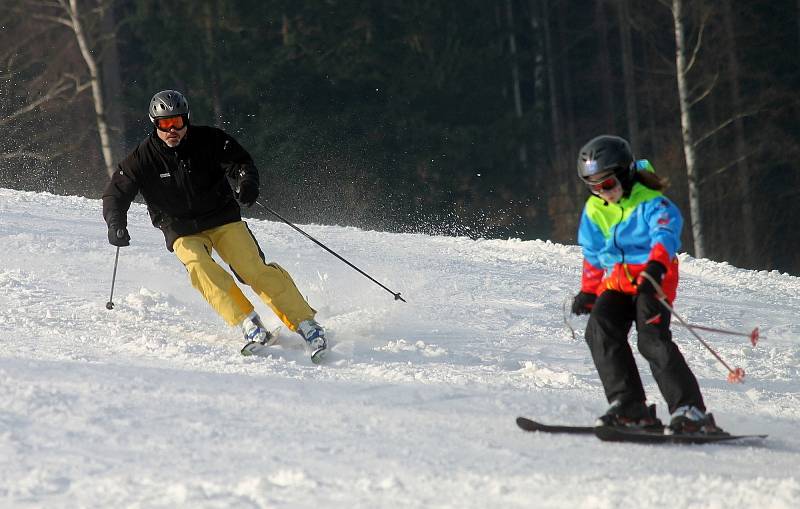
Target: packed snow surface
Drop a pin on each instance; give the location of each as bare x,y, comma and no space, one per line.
151,405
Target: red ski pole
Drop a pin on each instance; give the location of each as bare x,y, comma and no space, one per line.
734,375
753,336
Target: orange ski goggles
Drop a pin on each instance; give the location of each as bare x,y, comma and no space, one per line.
167,123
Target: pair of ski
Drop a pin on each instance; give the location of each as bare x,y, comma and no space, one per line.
639,435
263,349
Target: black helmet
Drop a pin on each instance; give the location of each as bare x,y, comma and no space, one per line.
605,153
168,103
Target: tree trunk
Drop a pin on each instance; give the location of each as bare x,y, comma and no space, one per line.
555,108
631,113
539,76
512,45
717,192
606,81
747,220
650,101
566,78
112,81
212,70
95,80
686,130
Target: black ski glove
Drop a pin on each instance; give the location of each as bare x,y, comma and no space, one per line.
118,236
248,192
656,270
583,302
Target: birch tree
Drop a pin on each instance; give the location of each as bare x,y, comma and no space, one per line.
71,15
682,71
81,37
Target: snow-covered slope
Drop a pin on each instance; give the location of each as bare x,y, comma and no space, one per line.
151,404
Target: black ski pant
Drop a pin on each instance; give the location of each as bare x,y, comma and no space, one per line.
607,336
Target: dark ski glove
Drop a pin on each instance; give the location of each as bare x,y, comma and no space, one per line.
643,285
582,303
248,192
118,236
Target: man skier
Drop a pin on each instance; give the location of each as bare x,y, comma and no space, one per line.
184,173
628,228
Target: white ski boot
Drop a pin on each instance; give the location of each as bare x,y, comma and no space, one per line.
314,335
256,334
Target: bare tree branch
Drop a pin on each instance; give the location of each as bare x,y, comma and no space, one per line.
707,90
725,168
699,43
35,87
27,154
54,92
722,126
54,19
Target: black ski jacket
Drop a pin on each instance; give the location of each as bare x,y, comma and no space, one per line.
186,188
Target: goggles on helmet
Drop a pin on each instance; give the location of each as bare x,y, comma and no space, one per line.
607,184
166,123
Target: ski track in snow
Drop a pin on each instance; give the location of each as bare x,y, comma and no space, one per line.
151,404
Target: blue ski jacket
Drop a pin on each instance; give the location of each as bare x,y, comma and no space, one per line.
618,239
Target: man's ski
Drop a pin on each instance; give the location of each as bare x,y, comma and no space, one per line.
657,436
256,348
319,354
530,425
264,350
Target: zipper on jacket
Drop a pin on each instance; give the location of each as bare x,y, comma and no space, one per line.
622,252
183,174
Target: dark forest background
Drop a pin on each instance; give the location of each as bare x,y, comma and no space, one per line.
447,117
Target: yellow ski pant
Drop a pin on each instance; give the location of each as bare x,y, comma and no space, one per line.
236,246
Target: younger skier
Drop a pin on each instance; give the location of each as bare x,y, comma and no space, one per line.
184,173
628,228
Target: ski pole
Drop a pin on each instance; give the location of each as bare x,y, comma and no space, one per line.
110,303
565,307
326,248
754,335
734,375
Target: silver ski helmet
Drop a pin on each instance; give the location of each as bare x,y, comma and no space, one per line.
168,103
607,153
